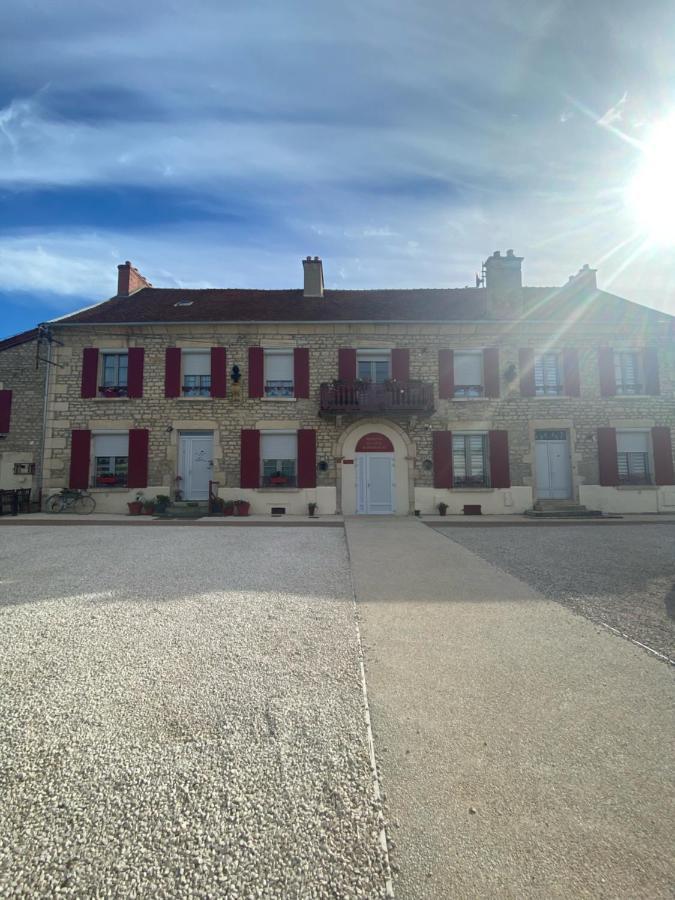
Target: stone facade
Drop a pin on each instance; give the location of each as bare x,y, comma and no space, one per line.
518,415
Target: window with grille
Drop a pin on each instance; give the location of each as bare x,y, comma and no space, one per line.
279,373
468,374
632,449
469,460
196,373
547,375
279,453
373,366
627,373
111,460
114,373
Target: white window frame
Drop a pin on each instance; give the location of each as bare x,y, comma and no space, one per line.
292,480
93,475
278,388
117,389
468,391
373,357
541,388
465,485
649,454
638,386
203,387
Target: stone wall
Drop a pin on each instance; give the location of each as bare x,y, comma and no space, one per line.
23,374
226,417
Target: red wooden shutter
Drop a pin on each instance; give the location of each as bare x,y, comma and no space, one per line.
89,372
218,372
526,363
306,458
663,455
301,373
650,364
442,458
172,372
256,372
137,476
446,374
346,364
607,374
249,464
135,371
491,371
500,473
400,364
571,383
5,411
80,454
607,457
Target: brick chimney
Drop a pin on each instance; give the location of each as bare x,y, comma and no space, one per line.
313,270
585,278
129,280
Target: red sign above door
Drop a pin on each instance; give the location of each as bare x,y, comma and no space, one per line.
374,443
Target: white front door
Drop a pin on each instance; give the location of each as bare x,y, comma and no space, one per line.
375,486
552,461
196,465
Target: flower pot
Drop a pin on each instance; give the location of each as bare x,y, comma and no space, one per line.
135,507
242,508
148,510
228,510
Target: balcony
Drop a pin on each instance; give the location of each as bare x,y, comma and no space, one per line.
368,398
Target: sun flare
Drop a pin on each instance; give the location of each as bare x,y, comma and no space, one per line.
651,193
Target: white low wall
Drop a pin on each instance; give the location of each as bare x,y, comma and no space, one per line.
628,499
494,502
295,501
115,501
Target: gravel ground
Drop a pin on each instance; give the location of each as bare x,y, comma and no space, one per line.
623,576
182,716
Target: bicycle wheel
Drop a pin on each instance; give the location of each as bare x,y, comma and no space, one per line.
84,505
54,503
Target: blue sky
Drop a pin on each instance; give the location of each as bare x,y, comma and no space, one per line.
215,145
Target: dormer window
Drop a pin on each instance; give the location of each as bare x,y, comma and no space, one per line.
184,303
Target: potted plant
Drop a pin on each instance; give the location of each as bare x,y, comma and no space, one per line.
178,492
106,480
442,509
312,509
148,507
241,507
136,506
162,502
228,507
278,479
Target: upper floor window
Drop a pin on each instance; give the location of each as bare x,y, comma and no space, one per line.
279,373
627,372
111,460
373,365
468,374
547,375
114,374
469,460
632,449
279,455
196,373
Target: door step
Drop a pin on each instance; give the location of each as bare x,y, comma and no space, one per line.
561,509
186,509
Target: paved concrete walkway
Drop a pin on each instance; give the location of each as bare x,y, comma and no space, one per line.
524,751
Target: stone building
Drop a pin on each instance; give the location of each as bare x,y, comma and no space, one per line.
381,401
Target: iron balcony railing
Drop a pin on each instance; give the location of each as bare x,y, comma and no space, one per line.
391,397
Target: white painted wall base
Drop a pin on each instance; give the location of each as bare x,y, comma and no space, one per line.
8,480
114,501
495,502
628,499
262,500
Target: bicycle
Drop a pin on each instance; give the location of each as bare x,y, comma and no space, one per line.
71,501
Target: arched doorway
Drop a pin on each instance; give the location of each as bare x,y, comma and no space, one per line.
374,469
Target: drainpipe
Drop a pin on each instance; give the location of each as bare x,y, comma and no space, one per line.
48,364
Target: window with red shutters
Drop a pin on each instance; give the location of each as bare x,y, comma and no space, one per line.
446,374
491,371
89,387
256,372
250,458
346,364
5,411
80,457
139,440
442,458
306,458
607,372
136,357
400,364
662,449
500,470
650,365
218,372
608,462
528,386
571,382
301,372
172,362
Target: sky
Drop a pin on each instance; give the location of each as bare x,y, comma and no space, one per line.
215,144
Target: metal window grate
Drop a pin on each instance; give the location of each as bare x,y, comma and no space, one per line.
633,467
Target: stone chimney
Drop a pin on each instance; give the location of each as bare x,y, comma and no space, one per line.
503,274
313,270
585,278
129,280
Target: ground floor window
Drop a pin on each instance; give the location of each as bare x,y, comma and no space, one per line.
111,460
469,460
633,457
279,455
